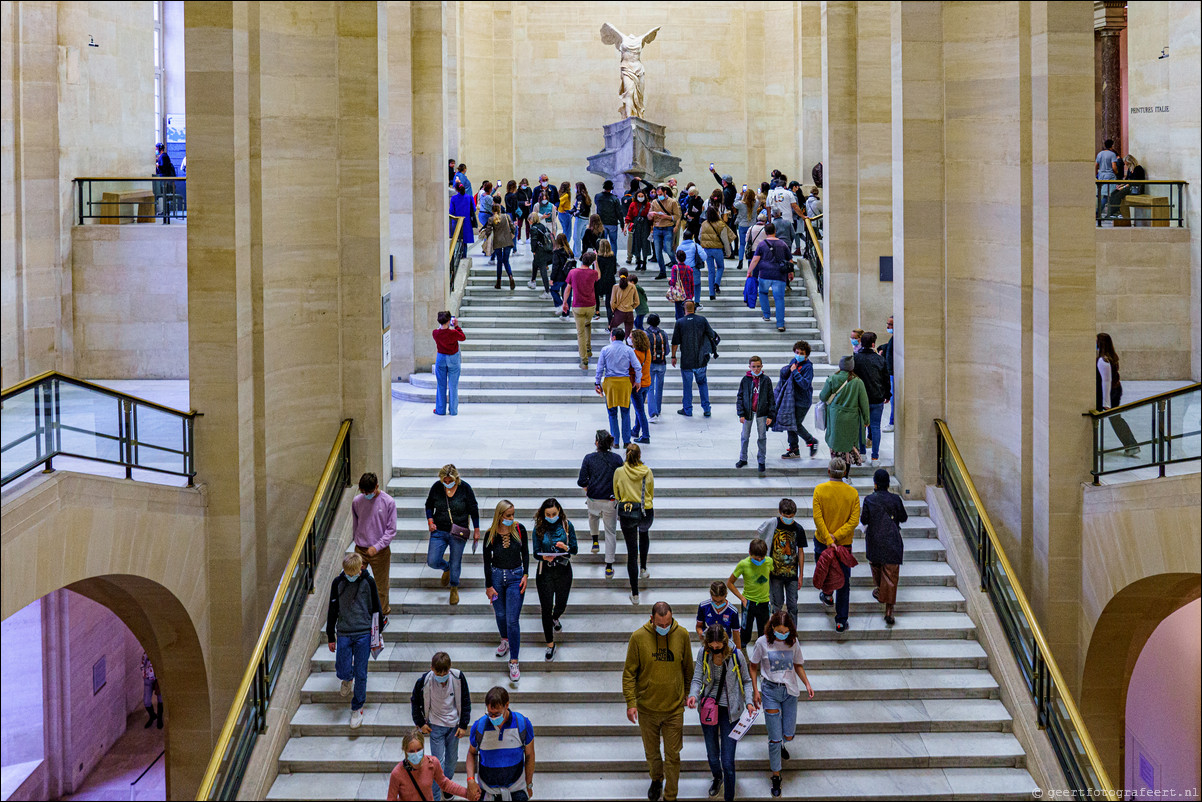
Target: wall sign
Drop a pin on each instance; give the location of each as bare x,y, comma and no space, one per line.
387,348
886,268
1149,109
99,676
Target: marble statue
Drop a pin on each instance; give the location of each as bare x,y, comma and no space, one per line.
631,48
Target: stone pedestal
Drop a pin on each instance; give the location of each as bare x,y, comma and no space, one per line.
634,147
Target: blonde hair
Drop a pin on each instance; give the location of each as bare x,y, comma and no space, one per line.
604,249
502,506
634,454
410,737
352,562
448,471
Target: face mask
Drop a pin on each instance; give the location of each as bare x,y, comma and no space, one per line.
785,520
755,372
505,522
552,519
889,330
372,495
443,680
780,635
717,652
641,199
663,630
754,561
799,358
448,485
497,721
854,342
415,757
354,578
718,606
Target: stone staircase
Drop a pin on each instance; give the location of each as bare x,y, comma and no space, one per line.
910,711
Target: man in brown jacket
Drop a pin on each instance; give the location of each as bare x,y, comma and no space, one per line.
664,214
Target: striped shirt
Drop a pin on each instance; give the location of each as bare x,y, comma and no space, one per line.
502,751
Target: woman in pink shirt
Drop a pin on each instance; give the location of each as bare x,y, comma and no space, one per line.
415,777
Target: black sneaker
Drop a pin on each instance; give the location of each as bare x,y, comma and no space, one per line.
656,790
776,785
716,785
813,449
827,600
784,753
762,468
741,463
558,626
792,453
841,626
550,653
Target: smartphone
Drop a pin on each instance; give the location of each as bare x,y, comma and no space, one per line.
454,320
744,187
711,165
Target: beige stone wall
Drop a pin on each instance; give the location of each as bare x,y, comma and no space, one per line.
69,110
129,291
1144,302
1167,143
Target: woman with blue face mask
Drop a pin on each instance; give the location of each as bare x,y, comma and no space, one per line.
554,546
418,771
450,504
506,555
777,672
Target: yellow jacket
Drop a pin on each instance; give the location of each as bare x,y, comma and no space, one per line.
628,484
836,513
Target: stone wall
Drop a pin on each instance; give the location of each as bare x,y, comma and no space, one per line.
129,287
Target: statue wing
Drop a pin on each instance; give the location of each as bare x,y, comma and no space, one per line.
610,35
649,36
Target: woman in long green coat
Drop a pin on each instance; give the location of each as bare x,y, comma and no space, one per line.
846,412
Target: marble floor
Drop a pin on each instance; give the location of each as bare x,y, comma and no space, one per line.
114,776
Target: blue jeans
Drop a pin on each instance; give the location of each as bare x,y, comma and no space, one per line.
697,284
715,260
775,288
743,241
661,244
444,746
351,654
679,309
720,750
503,260
655,393
874,427
892,398
446,372
638,400
703,387
843,594
439,541
578,234
565,226
782,725
508,606
613,423
557,292
611,234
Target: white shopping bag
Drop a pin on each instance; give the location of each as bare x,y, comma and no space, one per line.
744,724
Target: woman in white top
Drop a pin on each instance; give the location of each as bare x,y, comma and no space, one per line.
1109,393
777,673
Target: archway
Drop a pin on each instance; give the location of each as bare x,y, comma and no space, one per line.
165,630
1119,636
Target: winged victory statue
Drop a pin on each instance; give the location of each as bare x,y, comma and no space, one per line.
631,48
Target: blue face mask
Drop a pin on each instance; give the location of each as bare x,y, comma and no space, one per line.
443,680
889,330
415,757
354,578
754,561
785,520
497,721
506,523
448,485
552,519
799,358
779,635
718,606
855,343
663,630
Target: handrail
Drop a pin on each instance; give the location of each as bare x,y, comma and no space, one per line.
257,676
990,548
147,769
100,388
816,244
1174,181
1104,201
1105,413
131,178
454,249
455,236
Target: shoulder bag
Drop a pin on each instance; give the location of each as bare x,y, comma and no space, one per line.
458,531
820,407
709,705
631,512
675,292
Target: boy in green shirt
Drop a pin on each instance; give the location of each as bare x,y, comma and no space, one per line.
755,570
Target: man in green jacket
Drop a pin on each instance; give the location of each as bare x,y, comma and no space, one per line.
655,682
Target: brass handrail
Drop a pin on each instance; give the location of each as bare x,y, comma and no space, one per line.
1174,181
1105,413
814,240
135,178
455,236
277,601
1020,596
19,386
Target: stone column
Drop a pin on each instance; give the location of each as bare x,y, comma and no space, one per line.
809,42
841,228
1110,18
874,298
919,281
1063,303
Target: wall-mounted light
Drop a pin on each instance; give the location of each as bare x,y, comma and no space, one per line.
92,42
1164,53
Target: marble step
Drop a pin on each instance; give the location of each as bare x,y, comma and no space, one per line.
625,753
595,719
617,626
481,464
548,320
757,506
851,784
485,316
729,361
579,381
415,528
865,655
541,684
532,367
694,576
586,602
736,483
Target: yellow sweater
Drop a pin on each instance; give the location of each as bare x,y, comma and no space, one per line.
628,484
836,513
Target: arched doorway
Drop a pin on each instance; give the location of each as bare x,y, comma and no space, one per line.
1127,622
166,632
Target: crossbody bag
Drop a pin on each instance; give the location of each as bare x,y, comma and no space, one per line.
458,531
631,512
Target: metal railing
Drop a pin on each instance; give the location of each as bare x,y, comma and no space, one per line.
1056,709
133,786
131,200
1170,420
247,718
456,250
1118,200
53,415
815,243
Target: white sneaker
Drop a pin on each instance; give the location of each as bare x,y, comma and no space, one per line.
888,427
544,295
503,649
876,463
655,418
634,598
356,719
515,673
644,573
346,688
531,284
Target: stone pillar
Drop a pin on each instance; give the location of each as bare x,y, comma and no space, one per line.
1110,18
874,298
841,229
918,237
1063,301
809,42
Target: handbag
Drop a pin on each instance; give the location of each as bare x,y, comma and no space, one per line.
631,512
458,531
675,292
709,705
820,408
